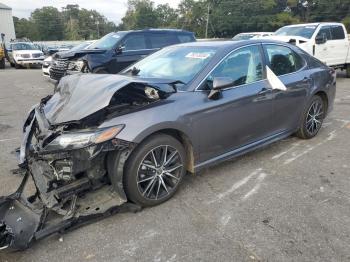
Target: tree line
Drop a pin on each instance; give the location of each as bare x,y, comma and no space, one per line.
226,18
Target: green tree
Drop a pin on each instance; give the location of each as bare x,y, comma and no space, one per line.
140,14
48,22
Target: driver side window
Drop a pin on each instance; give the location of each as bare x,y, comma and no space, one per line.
243,66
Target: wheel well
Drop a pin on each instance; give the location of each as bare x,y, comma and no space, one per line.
185,141
324,97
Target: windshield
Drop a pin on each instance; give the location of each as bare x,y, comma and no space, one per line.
178,63
107,42
243,36
80,46
24,46
303,31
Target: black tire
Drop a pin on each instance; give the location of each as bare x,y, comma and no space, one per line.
149,186
347,69
2,63
312,119
12,64
17,66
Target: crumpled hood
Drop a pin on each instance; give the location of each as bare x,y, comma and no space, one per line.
81,95
69,54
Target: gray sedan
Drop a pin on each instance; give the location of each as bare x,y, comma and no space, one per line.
103,142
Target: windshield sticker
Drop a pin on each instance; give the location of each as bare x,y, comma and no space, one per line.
116,36
311,27
198,55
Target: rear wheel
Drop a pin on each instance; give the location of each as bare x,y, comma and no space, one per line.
2,63
312,119
348,71
154,170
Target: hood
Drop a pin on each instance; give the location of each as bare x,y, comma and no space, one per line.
27,52
287,38
70,54
81,95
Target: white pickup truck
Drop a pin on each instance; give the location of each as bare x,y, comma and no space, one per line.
328,42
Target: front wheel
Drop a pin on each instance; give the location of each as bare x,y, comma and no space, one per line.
347,70
154,170
2,63
312,119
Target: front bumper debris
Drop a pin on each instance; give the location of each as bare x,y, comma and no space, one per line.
63,190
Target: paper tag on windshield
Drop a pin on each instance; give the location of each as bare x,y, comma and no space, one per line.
116,36
197,55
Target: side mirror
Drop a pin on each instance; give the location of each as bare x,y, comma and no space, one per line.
321,39
119,49
219,83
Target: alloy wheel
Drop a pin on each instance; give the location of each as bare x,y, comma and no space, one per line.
159,172
314,117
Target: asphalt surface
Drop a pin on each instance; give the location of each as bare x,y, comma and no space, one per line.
287,202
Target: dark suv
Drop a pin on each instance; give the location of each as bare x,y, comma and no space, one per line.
115,51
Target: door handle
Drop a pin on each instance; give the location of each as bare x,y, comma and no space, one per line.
265,90
306,80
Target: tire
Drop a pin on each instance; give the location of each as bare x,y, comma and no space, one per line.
347,71
17,66
2,63
12,64
150,185
312,119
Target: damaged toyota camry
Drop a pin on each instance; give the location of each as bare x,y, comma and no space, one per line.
102,144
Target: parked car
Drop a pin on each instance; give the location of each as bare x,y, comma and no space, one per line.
24,54
326,41
251,35
116,51
49,60
103,142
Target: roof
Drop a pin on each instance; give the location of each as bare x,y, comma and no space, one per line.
315,24
2,6
157,30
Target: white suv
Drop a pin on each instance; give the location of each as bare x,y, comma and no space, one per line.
24,54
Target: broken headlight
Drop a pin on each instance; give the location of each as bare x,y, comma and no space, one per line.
76,65
69,141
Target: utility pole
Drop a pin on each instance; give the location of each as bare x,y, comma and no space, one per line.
206,27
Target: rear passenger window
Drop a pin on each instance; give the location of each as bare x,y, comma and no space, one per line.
185,38
283,60
161,40
135,42
337,32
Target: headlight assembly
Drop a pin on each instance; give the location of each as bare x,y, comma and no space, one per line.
76,65
69,141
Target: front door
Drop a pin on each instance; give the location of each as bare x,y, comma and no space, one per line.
243,112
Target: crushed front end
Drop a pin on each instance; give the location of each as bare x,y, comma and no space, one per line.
68,171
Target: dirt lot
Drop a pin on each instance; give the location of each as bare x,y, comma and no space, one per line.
287,202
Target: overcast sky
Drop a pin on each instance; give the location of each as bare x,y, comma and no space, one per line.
114,10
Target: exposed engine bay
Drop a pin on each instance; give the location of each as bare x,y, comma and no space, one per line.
74,167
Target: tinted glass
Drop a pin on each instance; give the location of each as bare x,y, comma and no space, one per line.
337,32
107,42
181,63
161,40
283,60
135,42
303,31
185,38
244,66
326,32
24,46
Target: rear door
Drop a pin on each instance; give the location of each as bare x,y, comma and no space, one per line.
291,69
339,45
159,40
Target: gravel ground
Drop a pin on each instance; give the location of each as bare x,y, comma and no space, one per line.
287,202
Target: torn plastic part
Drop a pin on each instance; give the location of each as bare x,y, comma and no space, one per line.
23,221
